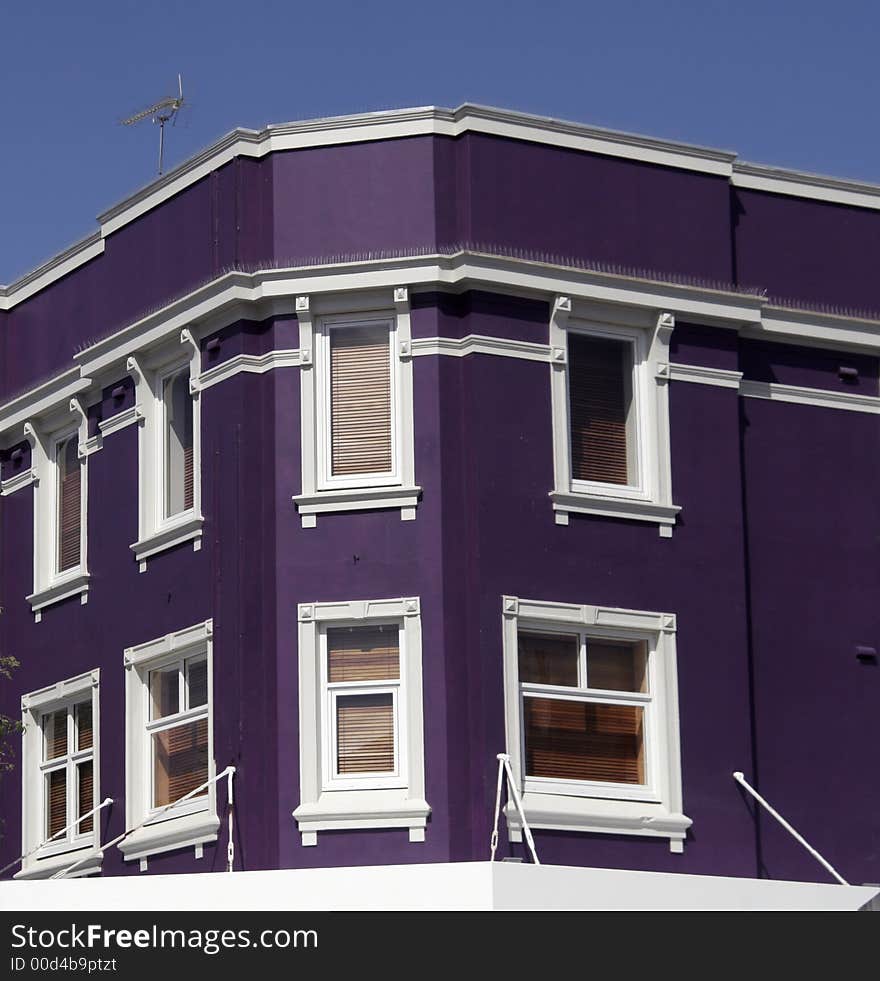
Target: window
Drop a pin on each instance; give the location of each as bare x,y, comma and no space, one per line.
169,742
69,503
592,718
361,671
611,415
60,778
361,741
178,437
356,390
177,730
60,497
169,450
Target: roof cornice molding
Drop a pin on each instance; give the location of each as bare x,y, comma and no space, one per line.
432,120
801,184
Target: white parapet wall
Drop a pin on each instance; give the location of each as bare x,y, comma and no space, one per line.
453,886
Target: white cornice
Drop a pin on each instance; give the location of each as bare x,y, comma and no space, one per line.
701,375
44,398
427,121
796,183
481,344
269,292
422,121
820,397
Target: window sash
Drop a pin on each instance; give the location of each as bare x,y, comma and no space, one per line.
332,691
584,694
638,485
69,765
185,716
325,445
68,506
371,776
177,444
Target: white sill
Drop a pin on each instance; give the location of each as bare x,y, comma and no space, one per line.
357,499
609,506
165,836
72,585
337,810
558,812
43,866
187,528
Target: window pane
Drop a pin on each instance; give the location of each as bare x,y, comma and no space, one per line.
360,400
545,659
69,504
55,734
180,761
363,653
365,734
178,444
569,740
164,691
85,799
197,678
618,666
84,736
600,397
56,802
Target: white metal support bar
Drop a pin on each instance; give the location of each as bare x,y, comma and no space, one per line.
741,780
512,791
230,801
154,817
73,824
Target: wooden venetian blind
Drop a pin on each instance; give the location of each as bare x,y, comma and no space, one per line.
84,734
573,740
365,733
55,734
180,761
599,389
363,654
56,811
85,796
360,400
69,505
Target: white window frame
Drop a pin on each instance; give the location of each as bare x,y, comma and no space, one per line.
653,809
194,822
50,585
158,531
649,497
46,859
330,778
328,802
322,493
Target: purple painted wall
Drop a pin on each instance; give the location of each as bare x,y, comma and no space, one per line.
771,569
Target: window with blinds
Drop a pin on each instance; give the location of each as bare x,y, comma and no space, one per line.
178,729
361,401
601,410
68,772
584,704
179,446
69,508
363,691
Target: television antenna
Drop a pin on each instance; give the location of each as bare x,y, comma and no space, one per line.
161,112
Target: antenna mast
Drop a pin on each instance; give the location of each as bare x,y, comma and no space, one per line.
161,112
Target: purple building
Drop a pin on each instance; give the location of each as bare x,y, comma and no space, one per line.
354,452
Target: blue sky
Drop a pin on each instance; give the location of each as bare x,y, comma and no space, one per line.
788,83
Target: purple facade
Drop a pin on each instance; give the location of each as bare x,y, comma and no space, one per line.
771,570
